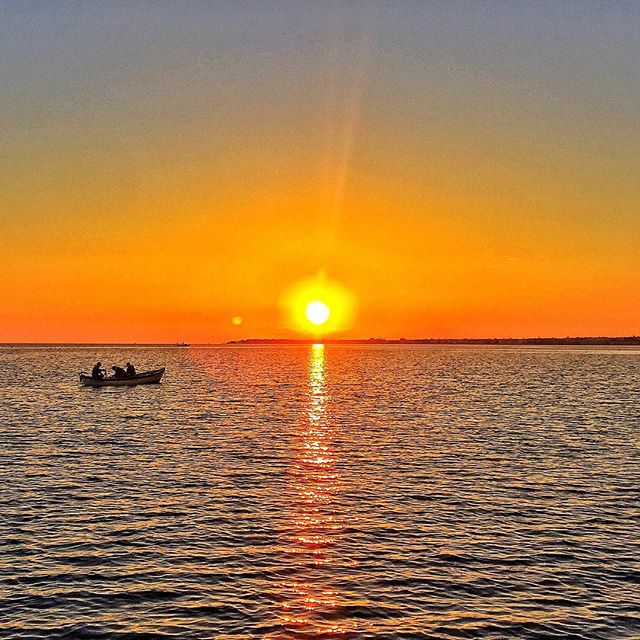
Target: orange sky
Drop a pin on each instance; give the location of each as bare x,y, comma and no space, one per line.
462,171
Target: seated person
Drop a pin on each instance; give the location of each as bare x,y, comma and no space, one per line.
97,373
118,372
131,370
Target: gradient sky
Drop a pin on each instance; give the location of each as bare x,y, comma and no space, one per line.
464,169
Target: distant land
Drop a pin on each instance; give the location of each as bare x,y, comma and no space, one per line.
602,340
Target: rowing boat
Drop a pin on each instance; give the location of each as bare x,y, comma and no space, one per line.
146,377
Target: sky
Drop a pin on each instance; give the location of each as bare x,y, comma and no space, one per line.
170,171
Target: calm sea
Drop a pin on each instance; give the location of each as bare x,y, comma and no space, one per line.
322,492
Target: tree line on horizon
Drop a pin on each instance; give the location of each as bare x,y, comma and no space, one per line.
596,340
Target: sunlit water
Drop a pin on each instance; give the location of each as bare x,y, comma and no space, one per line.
310,492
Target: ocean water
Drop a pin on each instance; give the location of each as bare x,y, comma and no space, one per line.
322,492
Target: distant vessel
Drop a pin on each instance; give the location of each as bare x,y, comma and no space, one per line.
183,344
147,377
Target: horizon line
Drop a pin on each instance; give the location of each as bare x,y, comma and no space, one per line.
588,340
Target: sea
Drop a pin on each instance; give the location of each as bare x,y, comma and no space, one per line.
310,491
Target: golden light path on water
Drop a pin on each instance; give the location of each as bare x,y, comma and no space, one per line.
312,606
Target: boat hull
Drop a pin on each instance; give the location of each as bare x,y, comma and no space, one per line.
147,377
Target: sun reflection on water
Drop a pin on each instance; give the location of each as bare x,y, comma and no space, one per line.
312,604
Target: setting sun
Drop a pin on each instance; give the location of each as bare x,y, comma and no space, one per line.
317,312
318,306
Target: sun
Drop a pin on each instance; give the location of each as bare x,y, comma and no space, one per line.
317,306
317,312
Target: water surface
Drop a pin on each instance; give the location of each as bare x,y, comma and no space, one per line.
322,492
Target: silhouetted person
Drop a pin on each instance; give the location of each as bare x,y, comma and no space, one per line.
131,370
118,372
97,373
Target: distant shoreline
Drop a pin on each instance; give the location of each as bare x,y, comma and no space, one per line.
587,341
631,341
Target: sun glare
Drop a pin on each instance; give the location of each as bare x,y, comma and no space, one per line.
317,312
318,307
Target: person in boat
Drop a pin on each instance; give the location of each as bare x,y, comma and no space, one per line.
131,370
118,372
97,373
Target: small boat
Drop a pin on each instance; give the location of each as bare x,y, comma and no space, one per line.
182,344
147,377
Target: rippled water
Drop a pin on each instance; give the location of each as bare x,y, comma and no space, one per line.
312,492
